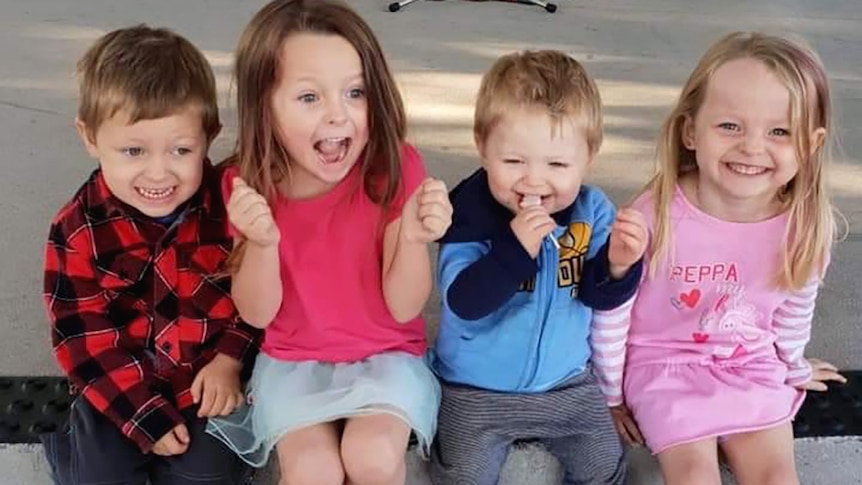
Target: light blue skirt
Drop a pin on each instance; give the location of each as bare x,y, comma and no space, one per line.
286,396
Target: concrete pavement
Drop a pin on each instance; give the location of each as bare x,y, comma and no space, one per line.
640,51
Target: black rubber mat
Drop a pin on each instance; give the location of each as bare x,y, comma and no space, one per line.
837,412
30,406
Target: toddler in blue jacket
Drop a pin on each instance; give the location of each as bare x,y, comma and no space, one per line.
531,253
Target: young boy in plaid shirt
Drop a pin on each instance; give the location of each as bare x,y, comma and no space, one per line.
142,320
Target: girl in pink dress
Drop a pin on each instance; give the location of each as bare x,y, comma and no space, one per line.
711,350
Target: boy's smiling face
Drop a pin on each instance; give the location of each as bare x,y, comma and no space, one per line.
152,165
532,158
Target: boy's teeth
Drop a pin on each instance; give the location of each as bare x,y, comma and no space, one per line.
155,193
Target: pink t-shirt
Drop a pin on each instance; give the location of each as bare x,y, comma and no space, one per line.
331,270
716,299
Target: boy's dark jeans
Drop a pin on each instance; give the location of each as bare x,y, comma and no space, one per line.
93,451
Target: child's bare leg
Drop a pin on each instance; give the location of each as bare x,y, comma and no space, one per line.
762,457
691,464
372,449
310,456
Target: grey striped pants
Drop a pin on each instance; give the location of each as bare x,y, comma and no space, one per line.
476,427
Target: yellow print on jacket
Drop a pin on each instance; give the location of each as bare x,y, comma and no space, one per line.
574,245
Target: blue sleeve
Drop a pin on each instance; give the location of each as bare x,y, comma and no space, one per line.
598,290
477,278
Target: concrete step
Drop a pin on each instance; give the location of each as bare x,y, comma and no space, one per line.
821,461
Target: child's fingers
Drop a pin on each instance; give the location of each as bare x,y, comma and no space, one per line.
438,200
628,228
197,388
229,404
207,401
536,218
258,216
630,241
250,206
631,215
430,185
434,197
241,192
545,226
821,364
633,430
828,375
633,218
182,434
218,403
623,432
436,208
434,225
168,445
815,386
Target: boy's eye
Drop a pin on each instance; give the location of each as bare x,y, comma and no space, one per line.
559,164
133,151
729,126
511,160
780,132
308,98
356,93
181,151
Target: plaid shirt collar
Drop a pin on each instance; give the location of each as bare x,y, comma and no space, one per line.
102,205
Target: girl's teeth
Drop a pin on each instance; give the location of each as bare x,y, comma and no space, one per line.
332,150
746,169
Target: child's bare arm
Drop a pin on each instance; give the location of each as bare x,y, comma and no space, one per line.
407,278
256,288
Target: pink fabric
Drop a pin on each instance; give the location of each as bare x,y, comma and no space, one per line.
331,264
710,346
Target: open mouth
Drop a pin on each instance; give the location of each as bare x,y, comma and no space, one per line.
332,150
743,169
531,200
156,194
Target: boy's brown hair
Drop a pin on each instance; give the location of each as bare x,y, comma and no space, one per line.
547,80
148,73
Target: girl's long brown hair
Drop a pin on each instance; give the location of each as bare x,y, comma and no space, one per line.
811,230
262,159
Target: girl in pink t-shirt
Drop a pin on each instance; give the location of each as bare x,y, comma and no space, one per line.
711,350
333,216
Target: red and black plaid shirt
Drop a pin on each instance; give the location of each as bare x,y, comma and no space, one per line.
137,308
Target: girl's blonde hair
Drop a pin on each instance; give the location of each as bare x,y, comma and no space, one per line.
811,227
262,159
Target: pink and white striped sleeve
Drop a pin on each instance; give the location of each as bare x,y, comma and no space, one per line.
792,321
608,338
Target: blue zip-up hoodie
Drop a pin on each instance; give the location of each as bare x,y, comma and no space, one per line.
511,323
